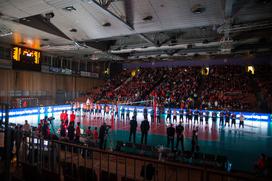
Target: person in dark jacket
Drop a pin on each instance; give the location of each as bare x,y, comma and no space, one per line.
233,120
170,136
181,113
145,113
62,129
194,141
135,113
102,132
201,116
133,128
168,117
45,129
71,131
227,118
221,118
127,115
144,129
214,116
207,117
18,140
180,136
123,113
152,115
196,114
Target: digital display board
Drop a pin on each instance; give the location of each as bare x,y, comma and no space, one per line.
26,59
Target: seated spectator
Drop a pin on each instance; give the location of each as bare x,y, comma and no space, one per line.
88,131
77,132
95,134
26,128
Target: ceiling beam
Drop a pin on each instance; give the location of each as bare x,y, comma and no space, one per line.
147,39
106,11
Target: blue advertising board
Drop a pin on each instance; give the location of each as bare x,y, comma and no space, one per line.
57,108
37,110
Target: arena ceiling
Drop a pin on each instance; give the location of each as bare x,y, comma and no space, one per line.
128,30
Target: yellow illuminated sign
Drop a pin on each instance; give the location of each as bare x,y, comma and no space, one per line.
133,73
251,70
205,71
18,52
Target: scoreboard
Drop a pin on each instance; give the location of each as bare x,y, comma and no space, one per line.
26,59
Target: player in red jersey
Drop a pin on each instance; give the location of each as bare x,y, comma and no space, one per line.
72,117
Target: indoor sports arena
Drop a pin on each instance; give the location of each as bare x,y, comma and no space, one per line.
136,90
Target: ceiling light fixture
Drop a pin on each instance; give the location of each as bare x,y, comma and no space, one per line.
5,34
197,9
25,19
148,18
73,30
69,8
107,24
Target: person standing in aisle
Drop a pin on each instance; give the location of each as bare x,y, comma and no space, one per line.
133,128
144,129
170,136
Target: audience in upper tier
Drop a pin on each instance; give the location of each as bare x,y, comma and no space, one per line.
220,87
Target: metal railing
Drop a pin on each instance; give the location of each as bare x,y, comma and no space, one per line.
80,162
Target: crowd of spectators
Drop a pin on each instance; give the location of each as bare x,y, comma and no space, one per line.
227,86
178,85
264,82
220,87
132,87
